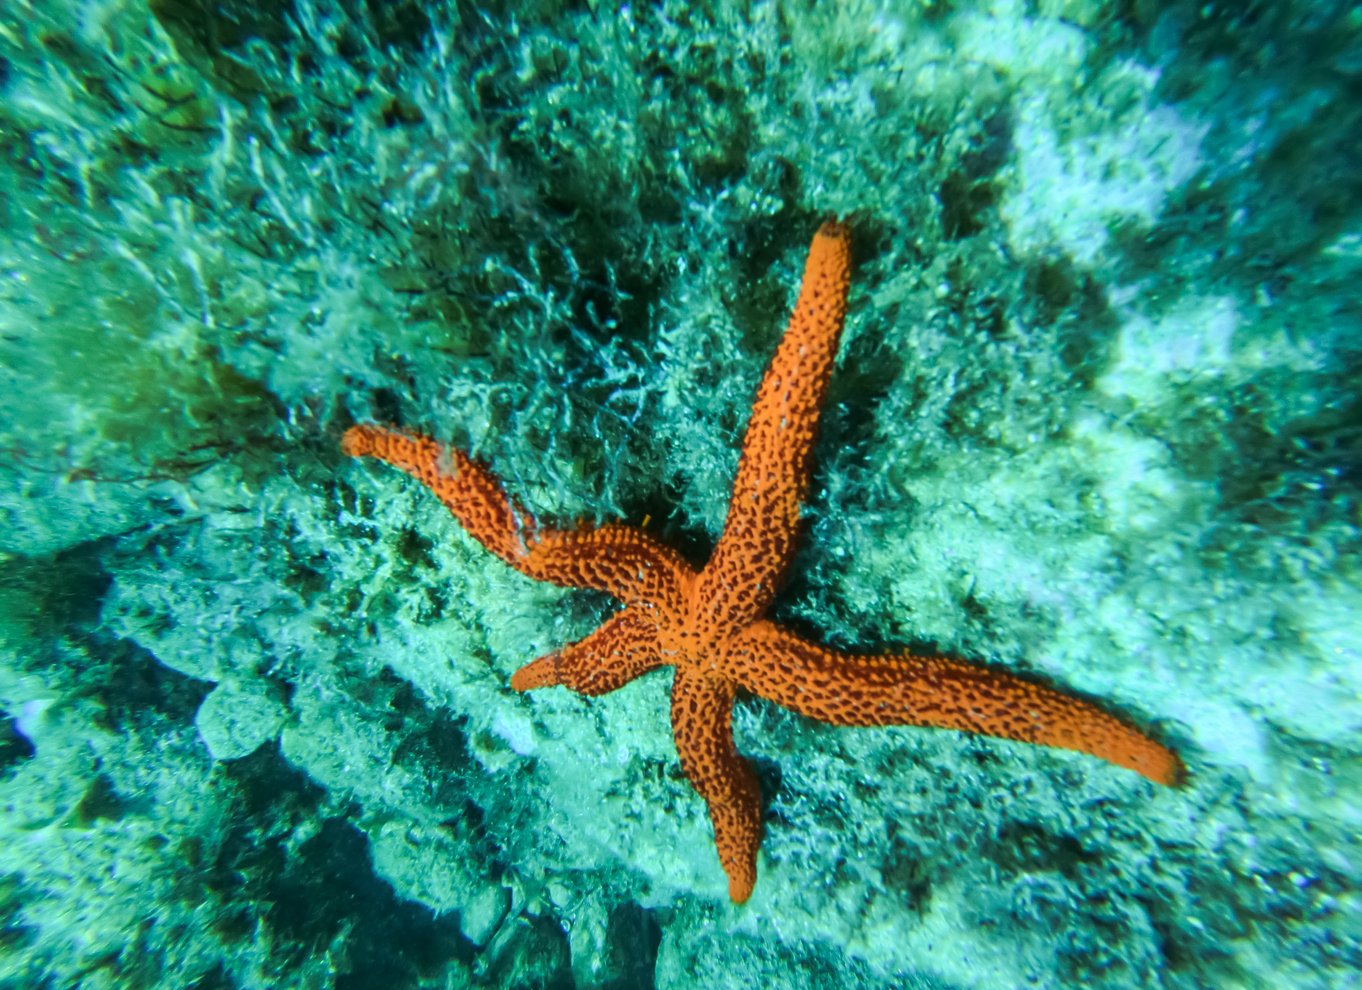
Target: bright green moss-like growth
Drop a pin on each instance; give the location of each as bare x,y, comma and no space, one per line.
1094,419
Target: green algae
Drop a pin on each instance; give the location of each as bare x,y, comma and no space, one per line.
1094,418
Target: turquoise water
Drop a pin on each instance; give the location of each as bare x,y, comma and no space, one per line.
1095,420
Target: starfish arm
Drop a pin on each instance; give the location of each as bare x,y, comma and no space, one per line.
622,648
470,491
702,710
940,692
622,561
773,471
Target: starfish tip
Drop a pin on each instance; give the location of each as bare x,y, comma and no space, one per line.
1150,759
834,230
739,890
536,674
1173,773
356,441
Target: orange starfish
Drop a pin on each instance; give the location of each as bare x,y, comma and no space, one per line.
709,624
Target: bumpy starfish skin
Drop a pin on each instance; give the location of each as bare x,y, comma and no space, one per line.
709,624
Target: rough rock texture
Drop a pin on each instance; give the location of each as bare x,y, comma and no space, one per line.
1095,418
